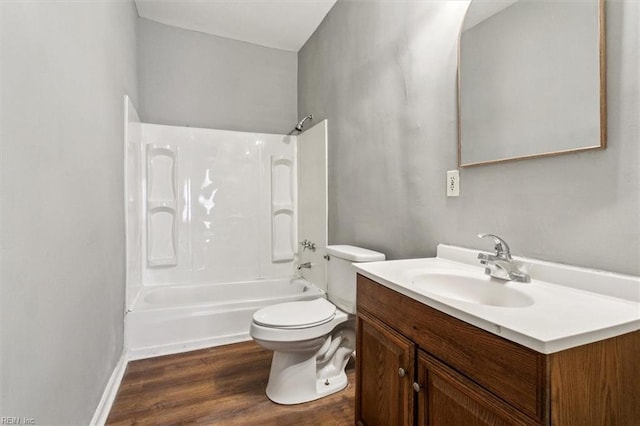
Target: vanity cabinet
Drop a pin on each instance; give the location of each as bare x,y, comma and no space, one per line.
446,397
417,365
389,379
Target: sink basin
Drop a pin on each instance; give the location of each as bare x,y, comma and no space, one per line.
479,290
590,305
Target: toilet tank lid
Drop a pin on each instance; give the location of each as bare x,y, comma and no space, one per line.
355,254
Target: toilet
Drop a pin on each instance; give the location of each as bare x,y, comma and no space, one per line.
313,340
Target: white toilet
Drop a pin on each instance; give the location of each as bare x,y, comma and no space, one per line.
313,340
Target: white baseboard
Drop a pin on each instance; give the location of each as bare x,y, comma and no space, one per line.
134,354
110,391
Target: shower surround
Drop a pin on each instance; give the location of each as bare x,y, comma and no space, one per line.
211,234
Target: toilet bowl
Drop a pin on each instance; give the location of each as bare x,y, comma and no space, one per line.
313,340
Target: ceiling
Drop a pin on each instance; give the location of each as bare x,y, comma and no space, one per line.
281,24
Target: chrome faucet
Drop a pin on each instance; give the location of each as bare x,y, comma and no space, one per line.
501,264
306,265
306,244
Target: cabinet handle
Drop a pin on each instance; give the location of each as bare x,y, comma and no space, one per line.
401,372
416,387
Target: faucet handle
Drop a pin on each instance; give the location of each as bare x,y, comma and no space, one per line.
486,258
306,244
501,246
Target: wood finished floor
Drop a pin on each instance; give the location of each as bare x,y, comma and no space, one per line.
217,386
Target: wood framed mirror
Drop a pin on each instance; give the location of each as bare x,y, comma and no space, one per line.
531,80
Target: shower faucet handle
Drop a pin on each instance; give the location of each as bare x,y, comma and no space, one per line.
306,244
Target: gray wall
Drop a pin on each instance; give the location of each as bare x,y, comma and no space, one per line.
384,75
66,66
187,78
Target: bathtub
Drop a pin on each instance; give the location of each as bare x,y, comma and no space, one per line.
177,318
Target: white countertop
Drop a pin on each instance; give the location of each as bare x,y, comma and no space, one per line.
560,316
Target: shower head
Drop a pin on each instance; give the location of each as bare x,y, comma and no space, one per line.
301,122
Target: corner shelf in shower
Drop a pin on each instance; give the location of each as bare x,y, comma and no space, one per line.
162,223
282,209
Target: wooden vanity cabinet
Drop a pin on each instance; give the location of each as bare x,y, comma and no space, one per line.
388,379
417,365
446,397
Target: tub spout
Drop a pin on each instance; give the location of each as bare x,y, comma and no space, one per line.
306,265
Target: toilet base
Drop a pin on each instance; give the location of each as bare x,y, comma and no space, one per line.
302,376
331,385
289,380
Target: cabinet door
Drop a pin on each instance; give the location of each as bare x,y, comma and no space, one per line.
384,375
446,397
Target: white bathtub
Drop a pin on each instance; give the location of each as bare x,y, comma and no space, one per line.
177,318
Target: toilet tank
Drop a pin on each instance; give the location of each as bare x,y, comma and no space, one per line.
341,275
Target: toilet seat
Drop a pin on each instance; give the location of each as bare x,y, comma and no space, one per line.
296,315
297,334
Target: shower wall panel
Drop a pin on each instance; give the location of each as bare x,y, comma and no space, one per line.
282,236
223,205
133,200
312,200
224,216
276,190
161,192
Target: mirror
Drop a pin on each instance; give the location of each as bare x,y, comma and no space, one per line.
531,80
